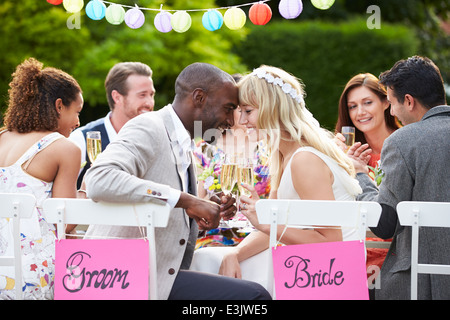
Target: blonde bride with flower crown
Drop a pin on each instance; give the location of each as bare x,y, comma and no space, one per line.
305,164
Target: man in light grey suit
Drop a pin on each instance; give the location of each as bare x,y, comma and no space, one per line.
151,160
415,160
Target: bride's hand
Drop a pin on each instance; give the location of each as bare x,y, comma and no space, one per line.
247,205
230,266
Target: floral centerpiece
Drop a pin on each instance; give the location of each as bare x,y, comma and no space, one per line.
210,160
376,173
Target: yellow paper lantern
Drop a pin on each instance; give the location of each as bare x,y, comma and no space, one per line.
181,21
234,18
73,6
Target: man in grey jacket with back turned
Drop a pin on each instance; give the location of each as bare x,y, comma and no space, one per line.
415,161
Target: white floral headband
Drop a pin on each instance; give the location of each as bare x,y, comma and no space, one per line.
286,87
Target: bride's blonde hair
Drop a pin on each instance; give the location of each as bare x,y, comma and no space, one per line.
283,109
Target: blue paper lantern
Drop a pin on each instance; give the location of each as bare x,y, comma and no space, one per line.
290,9
95,10
212,20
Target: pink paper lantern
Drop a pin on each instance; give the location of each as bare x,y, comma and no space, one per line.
290,9
162,22
134,18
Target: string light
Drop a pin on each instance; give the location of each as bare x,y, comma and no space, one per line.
180,21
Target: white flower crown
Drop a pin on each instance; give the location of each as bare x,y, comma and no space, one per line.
286,87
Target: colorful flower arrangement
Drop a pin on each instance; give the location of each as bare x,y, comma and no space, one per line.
376,173
210,160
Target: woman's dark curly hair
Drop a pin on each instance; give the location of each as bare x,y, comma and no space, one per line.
32,95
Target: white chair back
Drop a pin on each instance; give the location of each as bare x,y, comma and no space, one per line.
310,213
85,211
423,214
345,214
16,206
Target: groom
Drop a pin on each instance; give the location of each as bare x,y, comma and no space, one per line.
151,160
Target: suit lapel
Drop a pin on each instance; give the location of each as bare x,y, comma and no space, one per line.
174,143
177,153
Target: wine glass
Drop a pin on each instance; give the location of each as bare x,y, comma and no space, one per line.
349,134
245,175
228,178
93,144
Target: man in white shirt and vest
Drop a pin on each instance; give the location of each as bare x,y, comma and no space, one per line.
130,92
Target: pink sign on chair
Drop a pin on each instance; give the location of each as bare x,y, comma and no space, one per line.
101,269
321,271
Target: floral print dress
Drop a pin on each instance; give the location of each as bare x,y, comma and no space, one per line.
37,236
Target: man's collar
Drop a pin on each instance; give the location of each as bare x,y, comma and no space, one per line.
112,134
436,111
182,134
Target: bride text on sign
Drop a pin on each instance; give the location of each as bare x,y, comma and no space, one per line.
304,278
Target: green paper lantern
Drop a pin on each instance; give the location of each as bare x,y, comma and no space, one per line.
115,14
322,4
181,21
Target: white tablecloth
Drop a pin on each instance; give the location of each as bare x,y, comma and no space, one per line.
257,268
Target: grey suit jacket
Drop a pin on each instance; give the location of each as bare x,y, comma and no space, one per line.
415,160
141,166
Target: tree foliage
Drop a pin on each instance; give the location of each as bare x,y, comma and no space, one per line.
39,29
88,52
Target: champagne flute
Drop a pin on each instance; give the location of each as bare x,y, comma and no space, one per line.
349,135
93,144
228,178
245,175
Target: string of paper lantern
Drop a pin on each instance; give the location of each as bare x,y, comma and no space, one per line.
180,20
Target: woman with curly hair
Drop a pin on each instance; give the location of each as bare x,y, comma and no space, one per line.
35,157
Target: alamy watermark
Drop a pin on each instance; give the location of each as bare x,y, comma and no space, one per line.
74,21
374,20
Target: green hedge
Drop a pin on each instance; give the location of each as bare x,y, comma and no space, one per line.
326,55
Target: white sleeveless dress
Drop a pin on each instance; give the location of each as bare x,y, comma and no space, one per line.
38,237
345,188
258,268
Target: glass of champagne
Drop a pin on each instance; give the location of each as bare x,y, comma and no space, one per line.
93,144
245,175
228,178
349,135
